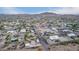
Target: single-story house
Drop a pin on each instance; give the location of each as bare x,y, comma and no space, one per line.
64,32
23,30
32,31
32,44
55,37
29,45
10,31
54,29
13,39
72,35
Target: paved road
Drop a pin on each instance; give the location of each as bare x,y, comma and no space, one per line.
44,43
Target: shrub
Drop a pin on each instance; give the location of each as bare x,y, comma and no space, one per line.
76,41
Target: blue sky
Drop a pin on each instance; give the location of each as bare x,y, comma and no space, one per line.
35,10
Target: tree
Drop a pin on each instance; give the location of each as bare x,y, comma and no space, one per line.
73,26
8,39
18,28
26,36
1,26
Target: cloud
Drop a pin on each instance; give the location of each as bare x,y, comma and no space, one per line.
67,10
11,10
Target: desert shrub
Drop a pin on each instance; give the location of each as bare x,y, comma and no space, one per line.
63,43
57,40
40,49
76,41
72,42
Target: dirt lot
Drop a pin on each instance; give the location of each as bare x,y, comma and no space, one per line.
58,47
68,47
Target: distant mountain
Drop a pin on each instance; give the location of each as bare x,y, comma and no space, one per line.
48,13
43,13
40,16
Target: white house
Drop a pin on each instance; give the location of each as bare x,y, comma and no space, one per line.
23,30
55,37
66,30
28,45
71,35
32,31
32,44
12,32
37,41
54,29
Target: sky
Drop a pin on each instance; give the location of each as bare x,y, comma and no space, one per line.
36,10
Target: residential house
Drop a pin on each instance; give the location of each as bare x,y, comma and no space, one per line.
64,32
23,30
53,39
71,35
33,44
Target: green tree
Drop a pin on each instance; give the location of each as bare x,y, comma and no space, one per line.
26,36
1,26
73,26
8,39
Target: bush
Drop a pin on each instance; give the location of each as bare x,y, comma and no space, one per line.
77,41
63,43
57,40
